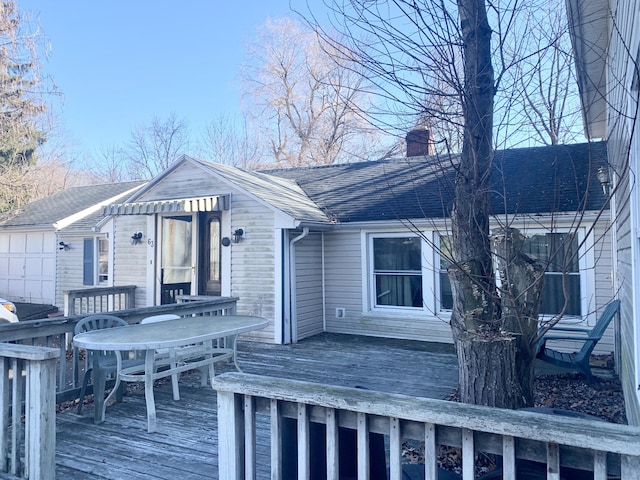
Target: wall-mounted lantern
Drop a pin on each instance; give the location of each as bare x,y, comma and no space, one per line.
136,238
63,246
603,177
237,235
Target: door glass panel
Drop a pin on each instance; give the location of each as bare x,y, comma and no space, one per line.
214,250
176,259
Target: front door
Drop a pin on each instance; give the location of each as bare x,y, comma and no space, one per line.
176,263
209,257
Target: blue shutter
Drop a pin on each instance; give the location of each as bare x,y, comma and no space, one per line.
87,262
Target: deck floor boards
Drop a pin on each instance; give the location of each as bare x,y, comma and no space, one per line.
185,445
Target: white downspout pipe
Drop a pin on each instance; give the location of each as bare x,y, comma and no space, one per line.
293,323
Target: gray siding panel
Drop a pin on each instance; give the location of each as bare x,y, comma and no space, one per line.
309,309
623,155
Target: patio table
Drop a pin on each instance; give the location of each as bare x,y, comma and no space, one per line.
194,341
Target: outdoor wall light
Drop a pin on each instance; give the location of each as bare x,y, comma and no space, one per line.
237,235
136,238
603,177
63,246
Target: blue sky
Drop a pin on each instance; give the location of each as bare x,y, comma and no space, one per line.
122,62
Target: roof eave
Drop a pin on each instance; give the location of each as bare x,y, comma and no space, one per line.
588,28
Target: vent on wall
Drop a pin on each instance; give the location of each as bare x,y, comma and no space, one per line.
340,312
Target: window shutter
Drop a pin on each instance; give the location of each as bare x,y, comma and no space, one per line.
87,262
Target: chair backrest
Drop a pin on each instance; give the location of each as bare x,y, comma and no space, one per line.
606,316
97,322
160,318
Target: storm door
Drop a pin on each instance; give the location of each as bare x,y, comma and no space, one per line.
209,257
176,263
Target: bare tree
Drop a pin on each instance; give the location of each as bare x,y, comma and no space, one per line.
155,146
311,108
227,142
110,165
548,110
433,61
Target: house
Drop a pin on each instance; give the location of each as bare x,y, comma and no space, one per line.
606,41
354,248
52,244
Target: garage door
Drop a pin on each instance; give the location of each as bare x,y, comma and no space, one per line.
28,267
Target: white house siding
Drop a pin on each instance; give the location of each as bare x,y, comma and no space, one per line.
604,287
343,282
28,266
344,289
130,261
308,254
252,276
70,267
626,38
253,268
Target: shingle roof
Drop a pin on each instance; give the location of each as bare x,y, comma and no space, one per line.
536,180
63,204
284,194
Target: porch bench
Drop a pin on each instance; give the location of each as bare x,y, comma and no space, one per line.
579,359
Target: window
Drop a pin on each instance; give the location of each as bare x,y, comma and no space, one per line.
446,296
397,271
402,274
103,260
559,252
95,261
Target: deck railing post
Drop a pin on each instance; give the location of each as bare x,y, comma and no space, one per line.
230,436
29,375
40,419
630,467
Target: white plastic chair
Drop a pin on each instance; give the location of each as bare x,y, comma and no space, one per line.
169,352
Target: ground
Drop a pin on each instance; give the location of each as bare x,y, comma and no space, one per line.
570,391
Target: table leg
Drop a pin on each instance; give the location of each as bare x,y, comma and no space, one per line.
99,378
98,398
235,352
148,391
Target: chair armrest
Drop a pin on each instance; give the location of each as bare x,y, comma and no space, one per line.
562,337
570,329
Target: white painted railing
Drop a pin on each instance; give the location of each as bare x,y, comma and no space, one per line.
554,441
28,407
99,299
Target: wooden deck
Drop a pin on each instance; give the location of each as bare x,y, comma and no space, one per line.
185,446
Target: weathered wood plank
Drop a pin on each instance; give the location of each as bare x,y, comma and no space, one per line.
186,444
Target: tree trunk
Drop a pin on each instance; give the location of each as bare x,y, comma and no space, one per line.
521,290
487,370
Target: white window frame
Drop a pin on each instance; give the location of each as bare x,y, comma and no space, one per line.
109,280
95,261
371,276
436,269
587,275
431,272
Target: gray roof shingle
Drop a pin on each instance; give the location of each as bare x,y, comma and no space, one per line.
63,204
536,180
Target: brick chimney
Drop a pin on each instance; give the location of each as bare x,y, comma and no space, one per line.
419,142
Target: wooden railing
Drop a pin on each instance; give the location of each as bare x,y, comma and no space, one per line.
99,299
552,442
50,375
57,333
27,388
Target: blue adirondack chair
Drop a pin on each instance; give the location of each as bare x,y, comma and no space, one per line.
579,359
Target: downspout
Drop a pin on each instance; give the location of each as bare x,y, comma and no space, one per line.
324,293
292,285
